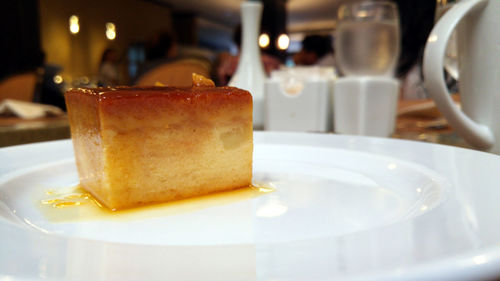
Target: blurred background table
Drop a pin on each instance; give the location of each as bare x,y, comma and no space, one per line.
421,121
14,131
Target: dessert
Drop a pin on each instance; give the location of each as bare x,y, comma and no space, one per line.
142,145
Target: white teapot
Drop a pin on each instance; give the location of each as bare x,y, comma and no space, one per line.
477,23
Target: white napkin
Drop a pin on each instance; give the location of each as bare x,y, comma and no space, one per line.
28,110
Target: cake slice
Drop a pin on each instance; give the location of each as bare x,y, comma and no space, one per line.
136,146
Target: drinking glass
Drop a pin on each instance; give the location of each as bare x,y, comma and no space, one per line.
367,38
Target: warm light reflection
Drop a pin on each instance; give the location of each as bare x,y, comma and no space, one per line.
110,34
424,208
392,166
433,38
110,25
362,14
283,42
264,40
58,79
480,259
110,31
442,2
84,80
273,208
27,221
74,25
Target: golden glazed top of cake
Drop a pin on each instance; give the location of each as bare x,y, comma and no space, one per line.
128,92
137,102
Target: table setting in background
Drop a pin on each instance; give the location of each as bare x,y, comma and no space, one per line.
365,99
347,180
24,122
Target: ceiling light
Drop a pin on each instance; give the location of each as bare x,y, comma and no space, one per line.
74,25
110,30
264,40
283,42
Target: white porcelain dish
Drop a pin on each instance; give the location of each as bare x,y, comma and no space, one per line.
343,208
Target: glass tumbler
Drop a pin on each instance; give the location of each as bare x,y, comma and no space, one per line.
367,38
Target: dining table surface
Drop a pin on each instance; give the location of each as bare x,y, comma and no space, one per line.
16,131
420,120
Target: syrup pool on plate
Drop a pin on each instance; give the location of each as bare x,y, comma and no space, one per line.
75,203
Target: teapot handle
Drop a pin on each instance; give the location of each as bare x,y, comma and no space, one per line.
476,134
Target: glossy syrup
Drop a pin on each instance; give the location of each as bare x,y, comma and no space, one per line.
76,204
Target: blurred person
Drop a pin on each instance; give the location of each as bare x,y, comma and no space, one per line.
316,50
49,90
160,49
162,46
227,64
108,68
416,22
225,67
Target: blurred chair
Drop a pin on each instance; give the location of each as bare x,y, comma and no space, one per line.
176,73
19,87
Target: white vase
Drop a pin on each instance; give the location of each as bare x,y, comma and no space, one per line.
250,73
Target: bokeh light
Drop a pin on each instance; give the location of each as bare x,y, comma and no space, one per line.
283,42
264,40
74,24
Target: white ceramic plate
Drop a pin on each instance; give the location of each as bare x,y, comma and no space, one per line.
343,207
